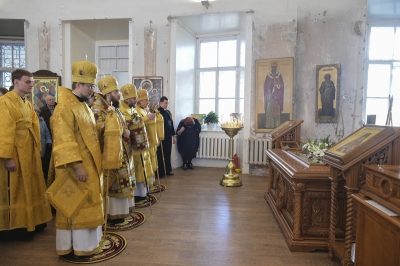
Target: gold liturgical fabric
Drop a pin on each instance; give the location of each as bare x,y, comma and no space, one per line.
151,128
160,125
75,143
112,151
22,203
116,152
68,195
139,142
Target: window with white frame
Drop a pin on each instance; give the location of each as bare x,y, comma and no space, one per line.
112,59
12,56
383,73
218,86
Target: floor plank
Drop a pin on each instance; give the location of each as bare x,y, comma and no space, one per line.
195,222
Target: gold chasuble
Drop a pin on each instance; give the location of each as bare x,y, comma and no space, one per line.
160,125
76,143
22,203
117,156
151,128
139,142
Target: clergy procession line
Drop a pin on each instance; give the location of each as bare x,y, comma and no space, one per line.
106,153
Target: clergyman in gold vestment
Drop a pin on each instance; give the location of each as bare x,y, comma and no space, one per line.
139,141
151,129
76,153
22,186
117,163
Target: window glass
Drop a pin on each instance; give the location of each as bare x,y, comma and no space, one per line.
227,53
397,44
19,56
227,84
218,87
226,107
241,84
208,54
395,112
207,84
6,55
381,43
380,112
378,80
5,79
12,56
396,80
206,105
241,106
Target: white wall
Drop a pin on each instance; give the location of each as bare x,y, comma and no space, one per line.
314,32
81,46
183,75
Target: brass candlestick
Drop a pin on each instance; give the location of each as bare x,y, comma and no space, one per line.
231,179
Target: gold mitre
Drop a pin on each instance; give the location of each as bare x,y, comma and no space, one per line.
84,72
142,95
108,84
128,91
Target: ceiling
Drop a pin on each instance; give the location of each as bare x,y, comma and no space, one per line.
118,29
104,29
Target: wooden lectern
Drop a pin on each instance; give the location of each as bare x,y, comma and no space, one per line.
286,134
370,145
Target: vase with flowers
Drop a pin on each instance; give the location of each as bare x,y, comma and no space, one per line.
316,150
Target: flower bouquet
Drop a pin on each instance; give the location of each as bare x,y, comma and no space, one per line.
316,150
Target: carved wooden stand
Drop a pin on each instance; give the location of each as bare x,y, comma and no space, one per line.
299,196
346,170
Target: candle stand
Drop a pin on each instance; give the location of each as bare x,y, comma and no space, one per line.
231,179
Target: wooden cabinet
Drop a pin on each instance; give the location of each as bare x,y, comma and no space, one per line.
300,198
378,234
370,145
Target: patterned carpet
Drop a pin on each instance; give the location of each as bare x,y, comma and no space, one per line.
112,245
157,188
136,219
146,203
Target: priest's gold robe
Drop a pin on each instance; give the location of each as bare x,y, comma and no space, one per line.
23,205
75,143
151,128
117,153
160,125
141,156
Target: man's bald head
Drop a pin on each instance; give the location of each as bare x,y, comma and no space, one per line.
50,101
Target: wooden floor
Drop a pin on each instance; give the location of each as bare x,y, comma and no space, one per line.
195,222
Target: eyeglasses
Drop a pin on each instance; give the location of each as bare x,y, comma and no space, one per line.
90,86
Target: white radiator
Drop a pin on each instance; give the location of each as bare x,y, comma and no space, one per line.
257,148
212,147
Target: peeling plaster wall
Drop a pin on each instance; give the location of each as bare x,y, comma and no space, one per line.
329,38
271,41
318,37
